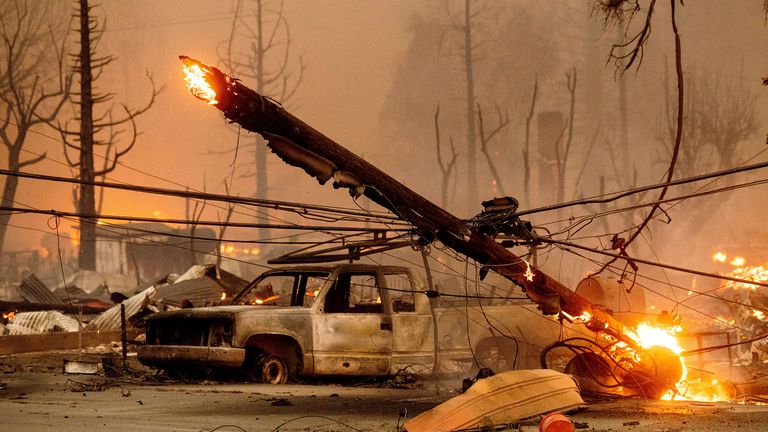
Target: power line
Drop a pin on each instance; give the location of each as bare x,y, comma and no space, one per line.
605,198
193,222
277,205
655,264
154,176
589,218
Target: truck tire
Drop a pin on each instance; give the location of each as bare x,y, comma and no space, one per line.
266,368
273,369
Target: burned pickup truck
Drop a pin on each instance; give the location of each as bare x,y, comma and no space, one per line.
350,319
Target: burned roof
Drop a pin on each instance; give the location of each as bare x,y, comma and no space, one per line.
201,285
41,322
134,307
34,290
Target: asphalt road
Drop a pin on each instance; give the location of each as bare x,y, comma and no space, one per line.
35,397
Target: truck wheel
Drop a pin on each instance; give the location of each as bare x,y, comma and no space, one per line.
271,369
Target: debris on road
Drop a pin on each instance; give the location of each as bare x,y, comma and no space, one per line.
503,398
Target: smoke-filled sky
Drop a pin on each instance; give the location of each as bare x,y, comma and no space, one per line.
376,71
350,48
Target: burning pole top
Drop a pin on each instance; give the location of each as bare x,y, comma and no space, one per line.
300,145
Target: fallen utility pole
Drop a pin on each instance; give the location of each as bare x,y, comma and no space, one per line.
300,145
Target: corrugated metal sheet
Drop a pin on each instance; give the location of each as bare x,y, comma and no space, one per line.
198,271
200,292
89,281
33,290
202,285
110,319
41,322
225,278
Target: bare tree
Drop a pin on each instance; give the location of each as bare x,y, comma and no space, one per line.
527,143
562,158
485,138
447,168
93,129
721,115
225,220
34,83
470,81
259,48
193,216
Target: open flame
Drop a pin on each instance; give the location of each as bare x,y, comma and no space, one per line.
194,76
528,272
741,270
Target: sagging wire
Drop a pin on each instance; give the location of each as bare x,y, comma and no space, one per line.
655,264
674,200
614,270
613,196
466,309
456,273
299,209
488,321
314,416
54,223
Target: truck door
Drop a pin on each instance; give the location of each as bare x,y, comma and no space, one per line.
412,334
352,334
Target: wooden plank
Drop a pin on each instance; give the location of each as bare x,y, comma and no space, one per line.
17,344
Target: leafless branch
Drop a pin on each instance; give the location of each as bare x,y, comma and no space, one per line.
485,138
527,143
448,168
621,13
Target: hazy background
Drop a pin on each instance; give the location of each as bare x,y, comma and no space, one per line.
376,72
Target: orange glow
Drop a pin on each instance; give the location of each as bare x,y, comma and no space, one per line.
648,336
528,273
696,389
755,273
194,76
9,316
758,314
583,318
720,257
44,253
223,296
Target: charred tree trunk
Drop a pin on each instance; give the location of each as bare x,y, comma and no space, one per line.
87,201
472,195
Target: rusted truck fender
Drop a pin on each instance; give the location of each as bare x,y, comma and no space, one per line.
285,345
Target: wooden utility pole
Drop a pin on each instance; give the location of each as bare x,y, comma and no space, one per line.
300,145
